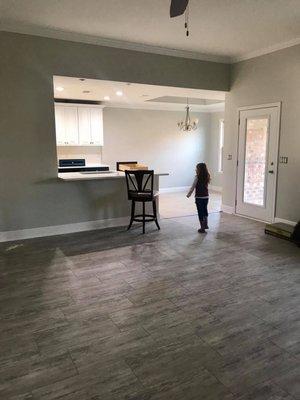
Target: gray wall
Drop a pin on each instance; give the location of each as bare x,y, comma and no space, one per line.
266,79
213,148
30,194
152,137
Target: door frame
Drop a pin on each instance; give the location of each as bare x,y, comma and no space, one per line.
277,141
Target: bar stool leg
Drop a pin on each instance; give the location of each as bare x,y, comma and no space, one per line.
155,213
132,214
144,222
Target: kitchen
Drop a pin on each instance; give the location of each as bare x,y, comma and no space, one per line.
100,123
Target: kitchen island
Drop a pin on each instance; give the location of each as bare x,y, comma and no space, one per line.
105,194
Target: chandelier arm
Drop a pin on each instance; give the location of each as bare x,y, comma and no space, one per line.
187,125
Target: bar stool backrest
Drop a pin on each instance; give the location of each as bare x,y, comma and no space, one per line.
139,183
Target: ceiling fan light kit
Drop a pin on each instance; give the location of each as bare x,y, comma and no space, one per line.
179,7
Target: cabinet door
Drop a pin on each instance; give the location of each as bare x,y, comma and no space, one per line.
71,126
84,122
96,126
60,125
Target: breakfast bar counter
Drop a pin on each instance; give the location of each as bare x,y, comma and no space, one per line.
84,176
105,191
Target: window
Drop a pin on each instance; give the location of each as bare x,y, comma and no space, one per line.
256,160
221,145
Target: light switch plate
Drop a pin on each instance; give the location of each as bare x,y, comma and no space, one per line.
283,159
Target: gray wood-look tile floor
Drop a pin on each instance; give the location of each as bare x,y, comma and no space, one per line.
169,315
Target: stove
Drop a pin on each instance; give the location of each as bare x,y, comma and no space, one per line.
79,165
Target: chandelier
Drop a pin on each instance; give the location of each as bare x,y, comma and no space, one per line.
187,125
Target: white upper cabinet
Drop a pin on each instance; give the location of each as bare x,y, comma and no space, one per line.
60,125
78,125
84,120
90,126
96,126
71,125
66,122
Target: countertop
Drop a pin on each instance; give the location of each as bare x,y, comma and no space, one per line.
79,176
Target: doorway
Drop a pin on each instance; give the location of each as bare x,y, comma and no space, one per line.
257,161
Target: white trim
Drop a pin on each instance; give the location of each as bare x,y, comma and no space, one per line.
266,50
174,189
120,44
227,209
253,219
230,210
221,142
195,108
285,221
62,229
186,188
255,107
83,105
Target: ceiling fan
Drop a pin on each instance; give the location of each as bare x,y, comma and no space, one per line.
179,7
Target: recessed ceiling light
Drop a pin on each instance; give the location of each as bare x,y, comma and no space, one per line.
59,88
119,93
86,91
107,98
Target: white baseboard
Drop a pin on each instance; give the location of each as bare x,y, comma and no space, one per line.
186,188
174,189
285,221
62,229
227,209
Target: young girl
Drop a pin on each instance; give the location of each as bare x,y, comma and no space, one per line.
200,185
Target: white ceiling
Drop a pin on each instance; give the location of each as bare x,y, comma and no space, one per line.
223,30
136,95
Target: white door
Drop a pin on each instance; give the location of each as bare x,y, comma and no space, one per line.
96,126
84,121
257,162
71,125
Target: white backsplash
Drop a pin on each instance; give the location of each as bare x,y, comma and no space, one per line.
91,154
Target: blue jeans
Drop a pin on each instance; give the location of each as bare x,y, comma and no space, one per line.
202,208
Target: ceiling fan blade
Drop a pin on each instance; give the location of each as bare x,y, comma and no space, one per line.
178,7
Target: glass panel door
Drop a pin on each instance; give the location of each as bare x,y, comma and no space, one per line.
256,160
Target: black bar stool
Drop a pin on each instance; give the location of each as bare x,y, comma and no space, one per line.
140,189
